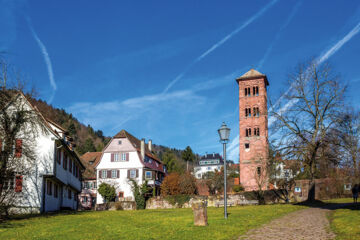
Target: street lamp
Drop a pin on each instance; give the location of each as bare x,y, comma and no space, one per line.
224,133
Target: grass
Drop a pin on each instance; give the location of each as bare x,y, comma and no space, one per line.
143,224
345,222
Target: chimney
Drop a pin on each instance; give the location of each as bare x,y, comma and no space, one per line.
150,145
142,148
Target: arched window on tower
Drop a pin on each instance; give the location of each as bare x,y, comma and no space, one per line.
247,112
256,112
256,132
247,92
248,132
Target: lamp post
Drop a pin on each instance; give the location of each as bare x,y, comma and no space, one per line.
224,133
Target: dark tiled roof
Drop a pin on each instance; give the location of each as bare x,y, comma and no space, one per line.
137,145
211,156
90,160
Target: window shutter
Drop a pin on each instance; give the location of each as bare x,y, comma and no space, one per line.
112,157
137,173
18,148
127,156
100,174
128,173
153,175
109,174
117,173
18,183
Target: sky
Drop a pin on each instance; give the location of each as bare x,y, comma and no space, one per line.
166,70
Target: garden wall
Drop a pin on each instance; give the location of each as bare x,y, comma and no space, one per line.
244,198
120,205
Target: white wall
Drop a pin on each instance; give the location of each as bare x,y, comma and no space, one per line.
199,171
122,183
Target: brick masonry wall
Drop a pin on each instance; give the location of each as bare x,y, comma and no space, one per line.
258,153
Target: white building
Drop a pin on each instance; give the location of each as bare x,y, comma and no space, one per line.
208,163
53,180
124,158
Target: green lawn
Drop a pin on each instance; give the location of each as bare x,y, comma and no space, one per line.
345,222
143,224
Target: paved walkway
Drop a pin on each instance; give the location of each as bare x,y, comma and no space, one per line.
310,223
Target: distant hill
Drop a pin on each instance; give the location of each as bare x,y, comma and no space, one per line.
89,140
85,137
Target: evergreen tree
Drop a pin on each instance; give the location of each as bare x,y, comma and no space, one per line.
89,146
188,156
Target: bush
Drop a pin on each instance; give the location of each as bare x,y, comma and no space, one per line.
171,185
175,184
238,188
107,192
139,192
188,184
180,200
118,206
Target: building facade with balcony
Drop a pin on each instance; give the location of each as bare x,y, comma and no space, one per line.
48,177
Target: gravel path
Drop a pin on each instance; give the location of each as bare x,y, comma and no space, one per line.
310,223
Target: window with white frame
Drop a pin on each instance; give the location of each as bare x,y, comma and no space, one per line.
113,174
103,173
123,156
148,175
133,173
116,157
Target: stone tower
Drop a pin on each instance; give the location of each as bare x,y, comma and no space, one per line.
253,126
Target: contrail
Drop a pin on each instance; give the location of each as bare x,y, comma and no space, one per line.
286,23
234,148
46,58
325,56
220,43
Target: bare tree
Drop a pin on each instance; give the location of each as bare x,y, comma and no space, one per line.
347,133
19,126
313,109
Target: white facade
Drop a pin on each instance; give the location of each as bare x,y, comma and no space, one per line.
36,191
208,163
199,171
122,161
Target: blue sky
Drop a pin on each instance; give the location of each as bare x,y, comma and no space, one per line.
166,70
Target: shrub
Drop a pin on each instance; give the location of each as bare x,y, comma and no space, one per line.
180,200
171,185
175,184
187,184
107,192
139,192
118,206
238,188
